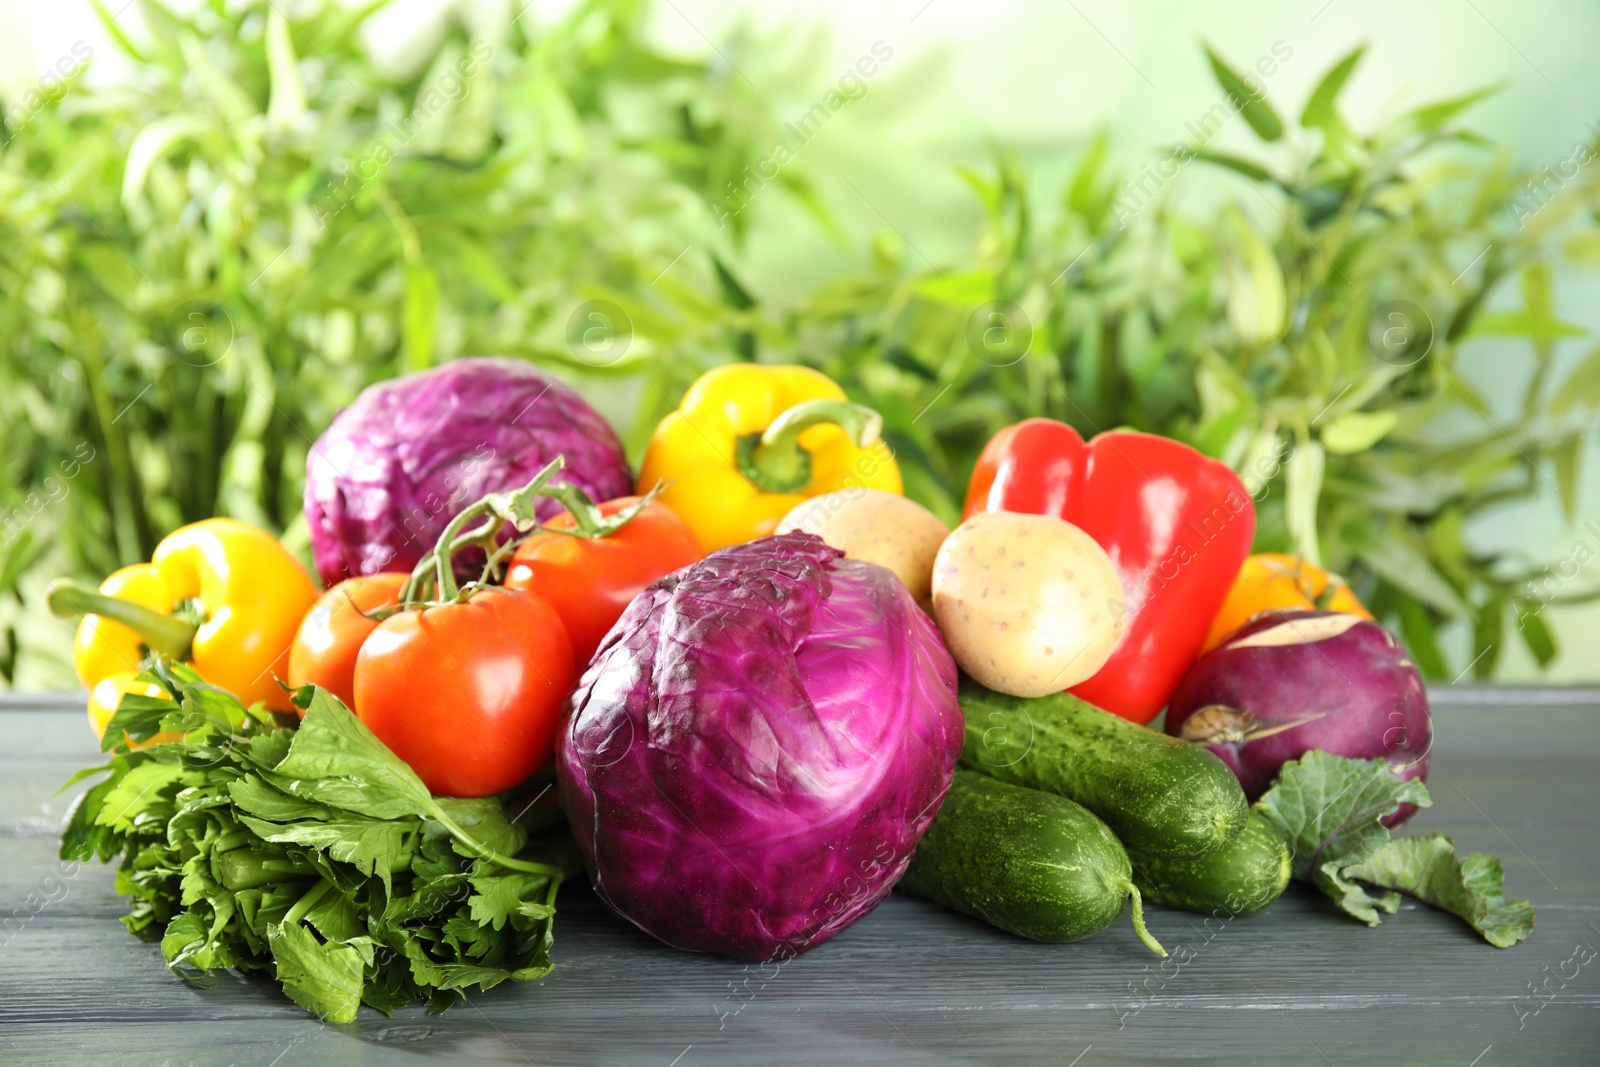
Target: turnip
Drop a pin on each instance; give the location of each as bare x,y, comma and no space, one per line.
1287,682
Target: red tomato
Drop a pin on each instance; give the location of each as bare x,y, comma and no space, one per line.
591,581
325,647
468,694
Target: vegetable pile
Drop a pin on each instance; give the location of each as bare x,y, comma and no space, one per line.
745,750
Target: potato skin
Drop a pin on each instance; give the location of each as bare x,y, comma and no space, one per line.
1028,604
878,527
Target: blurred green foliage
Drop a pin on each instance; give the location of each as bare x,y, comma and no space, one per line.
200,266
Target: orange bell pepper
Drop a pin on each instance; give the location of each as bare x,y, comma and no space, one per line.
1271,580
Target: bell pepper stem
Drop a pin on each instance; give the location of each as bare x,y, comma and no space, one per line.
167,634
774,460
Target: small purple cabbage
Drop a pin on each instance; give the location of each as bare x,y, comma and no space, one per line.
758,746
1289,681
408,454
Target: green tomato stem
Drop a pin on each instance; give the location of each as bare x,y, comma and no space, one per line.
166,634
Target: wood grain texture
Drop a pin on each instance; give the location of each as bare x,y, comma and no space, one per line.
909,984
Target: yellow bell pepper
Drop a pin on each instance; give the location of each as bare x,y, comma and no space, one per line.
749,442
219,594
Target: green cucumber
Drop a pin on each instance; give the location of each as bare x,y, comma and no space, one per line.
1028,862
1163,797
1246,875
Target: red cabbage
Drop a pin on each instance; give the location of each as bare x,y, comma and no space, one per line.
758,746
398,464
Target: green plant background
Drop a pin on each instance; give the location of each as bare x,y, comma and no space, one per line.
200,263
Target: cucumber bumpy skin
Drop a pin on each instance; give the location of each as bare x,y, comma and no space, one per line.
1162,796
1246,875
1032,863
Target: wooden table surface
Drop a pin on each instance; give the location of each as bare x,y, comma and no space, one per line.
1516,773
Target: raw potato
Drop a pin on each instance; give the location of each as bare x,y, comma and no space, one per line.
1028,604
879,527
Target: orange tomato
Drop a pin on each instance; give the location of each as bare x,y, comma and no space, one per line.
325,646
1271,580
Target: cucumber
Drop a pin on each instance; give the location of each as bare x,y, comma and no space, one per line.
1246,875
1164,797
1028,862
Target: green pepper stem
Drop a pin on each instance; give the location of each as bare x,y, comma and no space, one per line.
1138,922
774,460
166,634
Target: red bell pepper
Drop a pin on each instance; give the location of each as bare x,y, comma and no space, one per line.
1177,526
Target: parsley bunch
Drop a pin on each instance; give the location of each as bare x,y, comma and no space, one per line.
312,854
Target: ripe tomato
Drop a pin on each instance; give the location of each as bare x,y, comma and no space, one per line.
468,694
325,647
590,581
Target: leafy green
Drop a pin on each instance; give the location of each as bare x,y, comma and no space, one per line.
1427,868
314,854
1330,809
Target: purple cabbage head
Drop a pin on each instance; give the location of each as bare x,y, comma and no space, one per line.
402,460
757,748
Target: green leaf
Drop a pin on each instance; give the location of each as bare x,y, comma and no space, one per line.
141,794
500,896
968,289
1431,117
324,978
1567,455
1488,633
1321,111
1302,491
1530,324
485,819
1253,171
1421,640
1581,388
1537,637
1250,103
374,846
1583,248
340,763
1396,558
1470,888
287,98
1357,431
421,314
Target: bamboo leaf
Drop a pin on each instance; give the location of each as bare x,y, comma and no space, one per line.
1249,103
1357,431
1530,324
1581,388
421,314
1537,637
1321,111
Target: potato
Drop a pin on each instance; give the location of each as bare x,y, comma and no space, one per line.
878,527
1028,604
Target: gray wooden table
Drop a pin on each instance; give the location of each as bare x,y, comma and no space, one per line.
1516,773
